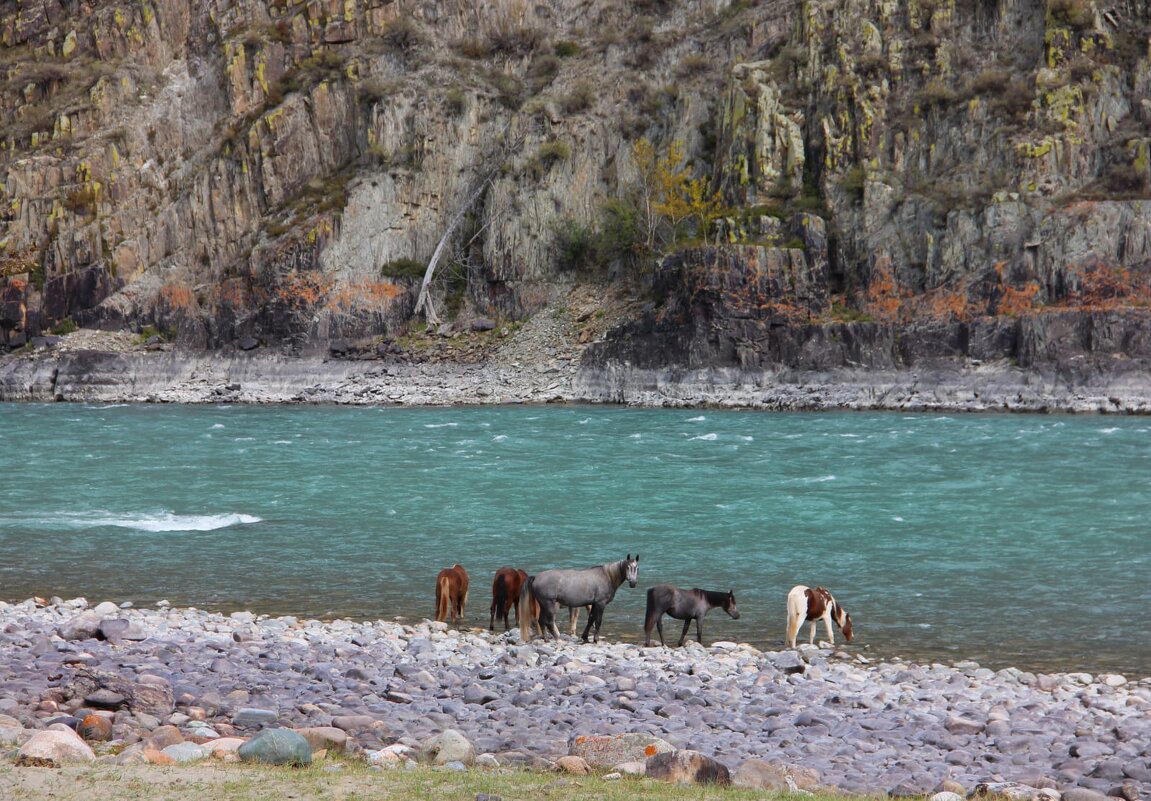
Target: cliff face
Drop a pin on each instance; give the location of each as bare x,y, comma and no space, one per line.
277,173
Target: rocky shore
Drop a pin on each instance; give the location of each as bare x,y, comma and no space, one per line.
118,684
542,364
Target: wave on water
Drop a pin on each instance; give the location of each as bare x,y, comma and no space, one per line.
153,522
705,437
441,425
699,419
218,425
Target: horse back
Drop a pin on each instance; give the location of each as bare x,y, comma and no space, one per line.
573,587
819,601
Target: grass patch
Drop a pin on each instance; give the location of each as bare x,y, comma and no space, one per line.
65,326
320,782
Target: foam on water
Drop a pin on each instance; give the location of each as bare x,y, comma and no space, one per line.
706,437
154,522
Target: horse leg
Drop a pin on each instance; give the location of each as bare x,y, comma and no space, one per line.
827,625
573,619
699,628
552,608
794,622
594,616
683,634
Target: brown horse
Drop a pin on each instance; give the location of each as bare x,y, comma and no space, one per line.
506,595
451,593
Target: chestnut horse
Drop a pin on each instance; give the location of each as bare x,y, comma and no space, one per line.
451,593
506,587
804,603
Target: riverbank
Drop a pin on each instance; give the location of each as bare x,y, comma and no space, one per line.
540,365
820,717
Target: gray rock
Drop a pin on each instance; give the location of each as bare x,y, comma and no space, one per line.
106,699
445,747
251,716
186,752
82,627
1082,794
277,747
960,725
606,751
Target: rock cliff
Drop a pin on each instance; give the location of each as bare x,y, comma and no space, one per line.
864,183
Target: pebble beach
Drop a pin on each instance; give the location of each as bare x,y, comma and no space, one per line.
178,685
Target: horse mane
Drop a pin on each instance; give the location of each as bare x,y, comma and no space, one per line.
716,598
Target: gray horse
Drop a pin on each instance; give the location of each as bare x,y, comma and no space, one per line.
593,587
685,605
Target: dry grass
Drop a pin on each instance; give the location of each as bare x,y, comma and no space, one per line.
340,781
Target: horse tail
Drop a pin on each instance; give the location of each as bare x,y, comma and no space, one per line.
443,598
499,598
649,615
526,610
795,613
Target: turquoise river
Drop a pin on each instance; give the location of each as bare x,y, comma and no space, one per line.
1010,540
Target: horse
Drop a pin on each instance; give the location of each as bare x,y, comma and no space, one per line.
594,587
451,593
804,603
533,614
685,605
506,587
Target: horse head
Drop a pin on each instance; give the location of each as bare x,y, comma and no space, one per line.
844,621
631,570
729,605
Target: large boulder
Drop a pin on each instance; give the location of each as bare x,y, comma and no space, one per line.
277,747
447,746
759,774
54,748
606,751
687,767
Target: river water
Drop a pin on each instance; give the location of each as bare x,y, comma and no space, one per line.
1011,540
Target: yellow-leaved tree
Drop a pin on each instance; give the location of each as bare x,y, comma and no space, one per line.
669,197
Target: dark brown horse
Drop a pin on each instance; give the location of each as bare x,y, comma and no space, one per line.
451,593
685,605
506,588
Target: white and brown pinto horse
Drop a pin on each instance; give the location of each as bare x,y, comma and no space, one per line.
805,603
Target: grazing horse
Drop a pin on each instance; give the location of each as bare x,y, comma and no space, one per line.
804,603
506,588
594,587
451,593
685,605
